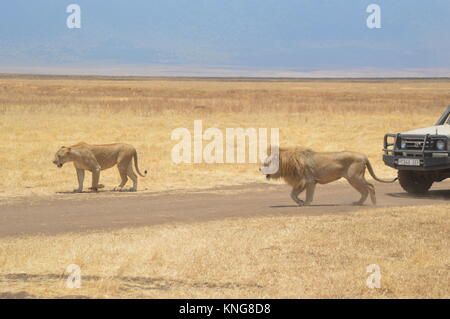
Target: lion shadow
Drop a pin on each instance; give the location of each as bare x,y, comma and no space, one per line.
107,191
312,205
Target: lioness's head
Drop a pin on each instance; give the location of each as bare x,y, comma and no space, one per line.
270,167
62,156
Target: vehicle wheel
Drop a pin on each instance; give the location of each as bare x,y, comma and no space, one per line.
414,182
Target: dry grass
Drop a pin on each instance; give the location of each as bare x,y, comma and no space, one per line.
39,115
291,257
283,257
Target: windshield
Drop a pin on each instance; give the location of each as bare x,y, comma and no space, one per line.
445,118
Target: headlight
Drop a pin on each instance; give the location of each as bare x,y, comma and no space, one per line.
440,145
403,144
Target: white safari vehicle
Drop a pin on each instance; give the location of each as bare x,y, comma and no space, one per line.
421,156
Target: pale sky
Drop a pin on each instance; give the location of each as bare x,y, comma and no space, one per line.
227,35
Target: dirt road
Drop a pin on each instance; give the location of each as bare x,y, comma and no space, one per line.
111,210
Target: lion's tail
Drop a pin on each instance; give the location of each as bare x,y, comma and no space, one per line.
136,165
372,173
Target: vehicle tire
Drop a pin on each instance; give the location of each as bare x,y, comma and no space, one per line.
414,182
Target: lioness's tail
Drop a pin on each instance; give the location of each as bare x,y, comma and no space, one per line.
136,165
372,173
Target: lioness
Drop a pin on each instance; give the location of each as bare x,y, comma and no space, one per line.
303,169
96,158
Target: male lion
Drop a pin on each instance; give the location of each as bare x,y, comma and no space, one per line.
96,158
303,168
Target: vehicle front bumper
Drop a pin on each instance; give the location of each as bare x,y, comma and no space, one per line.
429,159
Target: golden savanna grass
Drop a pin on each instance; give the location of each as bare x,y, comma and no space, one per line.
270,257
304,256
40,114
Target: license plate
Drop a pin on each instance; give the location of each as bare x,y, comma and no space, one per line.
409,161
